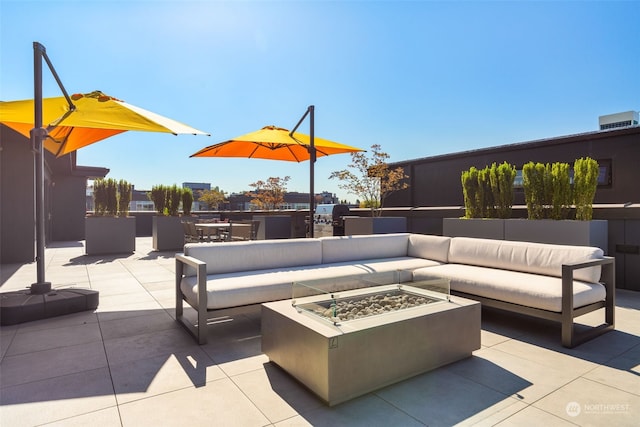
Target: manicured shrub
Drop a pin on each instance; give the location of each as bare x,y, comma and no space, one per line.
585,183
124,197
99,197
158,196
487,203
561,191
187,201
502,177
470,192
111,187
174,197
536,180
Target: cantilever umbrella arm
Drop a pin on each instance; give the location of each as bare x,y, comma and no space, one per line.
312,160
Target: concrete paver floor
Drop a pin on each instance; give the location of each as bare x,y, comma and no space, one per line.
130,364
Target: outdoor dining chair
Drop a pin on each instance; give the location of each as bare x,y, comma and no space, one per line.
243,230
191,234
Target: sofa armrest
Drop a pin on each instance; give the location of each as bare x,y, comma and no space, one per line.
607,278
201,276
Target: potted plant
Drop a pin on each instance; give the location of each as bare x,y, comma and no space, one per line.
488,199
549,197
167,231
372,180
110,230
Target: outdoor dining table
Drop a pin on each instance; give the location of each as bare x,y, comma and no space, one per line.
216,227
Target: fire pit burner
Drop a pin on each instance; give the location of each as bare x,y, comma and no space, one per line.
345,309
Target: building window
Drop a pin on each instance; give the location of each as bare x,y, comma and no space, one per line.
604,177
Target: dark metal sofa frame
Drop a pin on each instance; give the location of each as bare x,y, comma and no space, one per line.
570,337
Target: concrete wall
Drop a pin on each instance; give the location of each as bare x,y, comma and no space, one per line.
435,181
17,233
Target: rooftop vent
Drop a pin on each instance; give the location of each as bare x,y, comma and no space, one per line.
618,120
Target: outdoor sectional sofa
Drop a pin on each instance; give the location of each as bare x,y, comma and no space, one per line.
553,282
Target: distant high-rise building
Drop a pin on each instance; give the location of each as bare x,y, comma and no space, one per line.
197,187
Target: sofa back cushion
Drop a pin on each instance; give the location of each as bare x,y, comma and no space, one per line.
371,246
431,247
255,255
538,258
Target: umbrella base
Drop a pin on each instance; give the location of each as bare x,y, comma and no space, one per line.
26,306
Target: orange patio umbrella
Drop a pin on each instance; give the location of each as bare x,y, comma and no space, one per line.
275,143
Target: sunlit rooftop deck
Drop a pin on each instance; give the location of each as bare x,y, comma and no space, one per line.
130,364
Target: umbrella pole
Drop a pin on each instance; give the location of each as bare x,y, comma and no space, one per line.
312,161
38,133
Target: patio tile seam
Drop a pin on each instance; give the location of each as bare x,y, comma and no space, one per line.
71,418
57,347
560,387
514,397
612,386
179,389
375,393
271,422
37,380
555,416
113,386
143,398
542,368
6,350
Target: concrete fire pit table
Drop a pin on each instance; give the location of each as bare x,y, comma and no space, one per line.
407,328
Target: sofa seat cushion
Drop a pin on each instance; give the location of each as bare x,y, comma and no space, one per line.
258,286
532,290
538,258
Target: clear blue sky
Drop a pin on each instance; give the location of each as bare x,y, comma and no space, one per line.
418,78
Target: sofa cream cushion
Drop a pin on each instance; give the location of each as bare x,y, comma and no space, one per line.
429,247
255,254
251,287
352,248
531,290
527,257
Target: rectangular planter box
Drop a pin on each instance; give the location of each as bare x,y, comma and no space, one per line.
482,228
339,364
167,233
109,235
273,226
355,225
563,232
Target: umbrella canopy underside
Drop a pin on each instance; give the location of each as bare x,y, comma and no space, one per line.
96,117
